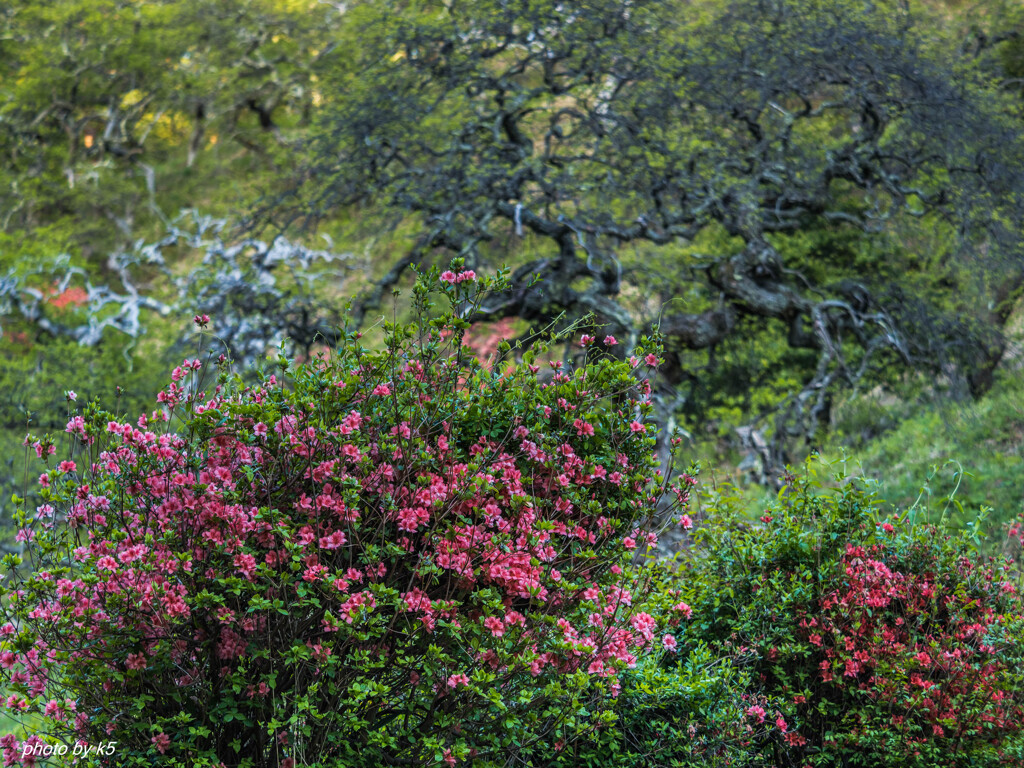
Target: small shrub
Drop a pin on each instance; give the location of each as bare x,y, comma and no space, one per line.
873,641
394,557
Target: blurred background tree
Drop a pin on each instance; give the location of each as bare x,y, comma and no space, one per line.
819,203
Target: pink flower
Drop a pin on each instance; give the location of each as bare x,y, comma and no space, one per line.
780,723
685,522
887,527
448,277
583,428
454,681
651,360
469,274
610,341
494,624
669,642
684,609
449,757
260,429
382,389
71,395
246,564
586,340
334,541
136,661
162,741
636,426
67,466
756,712
629,542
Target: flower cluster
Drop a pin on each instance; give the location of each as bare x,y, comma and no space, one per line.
878,643
925,646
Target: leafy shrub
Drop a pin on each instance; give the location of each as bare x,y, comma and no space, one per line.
677,709
873,641
396,557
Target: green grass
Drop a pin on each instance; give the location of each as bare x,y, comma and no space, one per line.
972,451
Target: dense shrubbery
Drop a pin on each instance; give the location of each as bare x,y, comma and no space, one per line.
398,556
409,556
873,640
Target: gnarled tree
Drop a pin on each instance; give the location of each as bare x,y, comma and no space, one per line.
825,175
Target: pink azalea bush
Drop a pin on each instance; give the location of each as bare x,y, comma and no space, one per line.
876,641
385,557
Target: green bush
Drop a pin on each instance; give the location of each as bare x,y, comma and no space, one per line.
872,640
677,709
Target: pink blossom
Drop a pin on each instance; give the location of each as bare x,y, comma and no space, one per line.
454,681
644,624
136,661
756,712
246,564
669,642
162,741
651,360
334,541
610,341
494,624
448,277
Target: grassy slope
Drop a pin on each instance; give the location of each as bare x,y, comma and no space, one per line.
975,450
